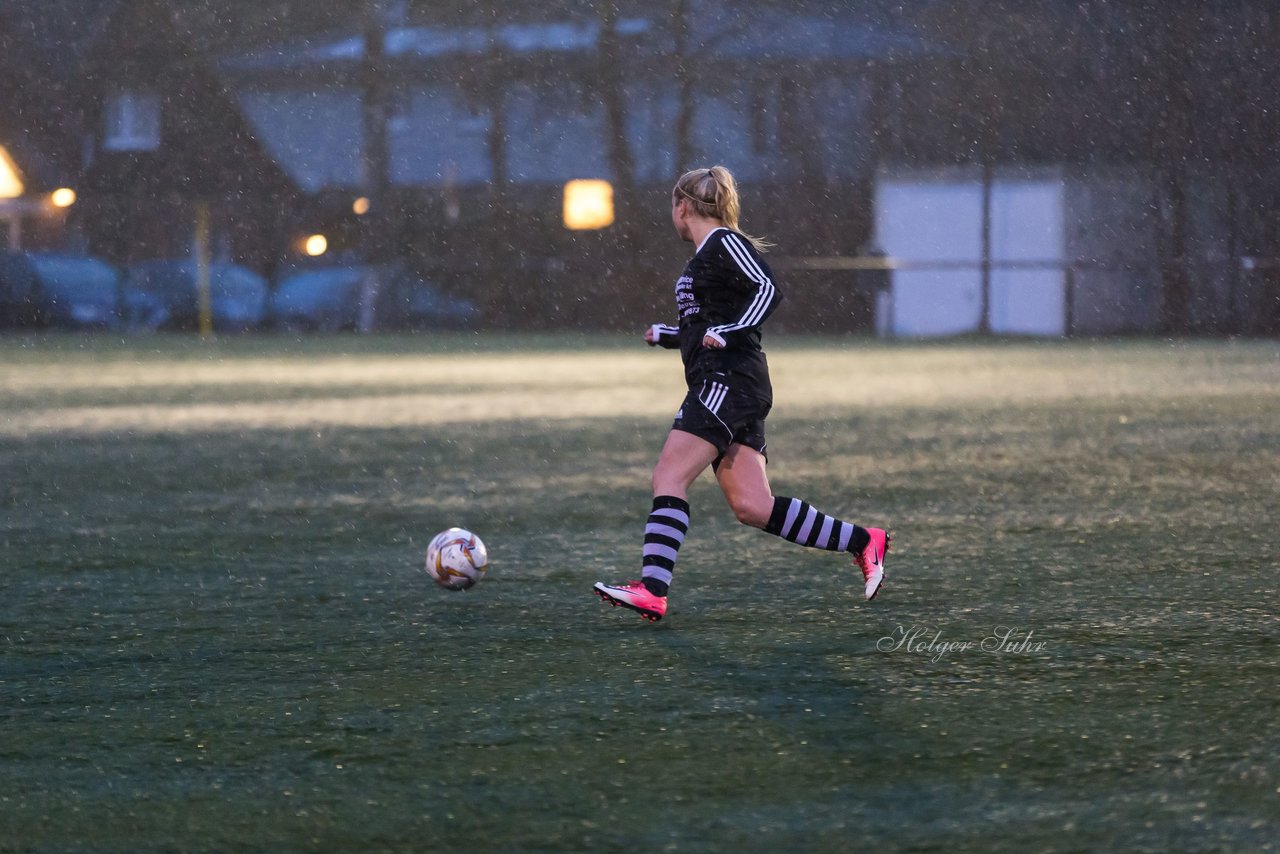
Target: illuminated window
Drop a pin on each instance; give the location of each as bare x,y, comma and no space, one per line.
132,121
10,181
588,204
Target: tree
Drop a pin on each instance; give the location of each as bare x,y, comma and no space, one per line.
611,75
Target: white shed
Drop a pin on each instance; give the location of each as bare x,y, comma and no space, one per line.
1069,252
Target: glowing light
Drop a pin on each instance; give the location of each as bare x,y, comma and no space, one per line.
360,206
10,182
63,197
588,204
315,245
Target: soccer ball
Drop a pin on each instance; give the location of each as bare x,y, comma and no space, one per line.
456,559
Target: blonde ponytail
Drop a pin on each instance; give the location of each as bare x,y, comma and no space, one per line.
714,194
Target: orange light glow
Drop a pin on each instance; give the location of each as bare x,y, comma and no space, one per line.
588,204
10,181
316,245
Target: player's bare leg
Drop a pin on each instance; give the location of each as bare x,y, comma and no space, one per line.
745,486
684,457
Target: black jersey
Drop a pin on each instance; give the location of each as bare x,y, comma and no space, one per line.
726,291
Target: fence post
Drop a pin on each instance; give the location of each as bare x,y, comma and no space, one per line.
1069,301
204,297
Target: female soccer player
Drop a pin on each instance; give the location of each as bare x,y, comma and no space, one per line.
724,295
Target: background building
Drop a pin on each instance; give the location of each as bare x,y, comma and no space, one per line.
1129,146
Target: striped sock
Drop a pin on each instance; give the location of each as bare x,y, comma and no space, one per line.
663,536
800,522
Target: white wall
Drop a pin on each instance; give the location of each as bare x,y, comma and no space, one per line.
931,218
930,221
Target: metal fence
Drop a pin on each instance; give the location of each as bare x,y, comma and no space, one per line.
1225,295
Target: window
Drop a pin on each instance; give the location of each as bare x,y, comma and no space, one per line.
399,104
132,121
588,204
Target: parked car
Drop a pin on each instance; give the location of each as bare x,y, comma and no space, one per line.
163,295
19,292
49,289
331,299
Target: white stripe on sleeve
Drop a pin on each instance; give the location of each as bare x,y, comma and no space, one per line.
765,291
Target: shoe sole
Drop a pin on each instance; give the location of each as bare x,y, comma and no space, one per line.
648,615
876,592
888,540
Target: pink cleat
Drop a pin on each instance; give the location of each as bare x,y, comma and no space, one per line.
635,596
871,559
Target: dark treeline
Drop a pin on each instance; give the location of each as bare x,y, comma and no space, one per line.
1166,80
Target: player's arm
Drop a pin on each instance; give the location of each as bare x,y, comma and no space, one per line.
762,299
662,335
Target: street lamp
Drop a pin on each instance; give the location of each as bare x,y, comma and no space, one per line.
316,245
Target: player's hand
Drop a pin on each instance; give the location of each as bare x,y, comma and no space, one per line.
651,336
713,342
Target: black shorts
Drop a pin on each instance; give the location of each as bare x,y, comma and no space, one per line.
716,412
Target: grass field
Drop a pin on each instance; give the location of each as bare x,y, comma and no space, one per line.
215,633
